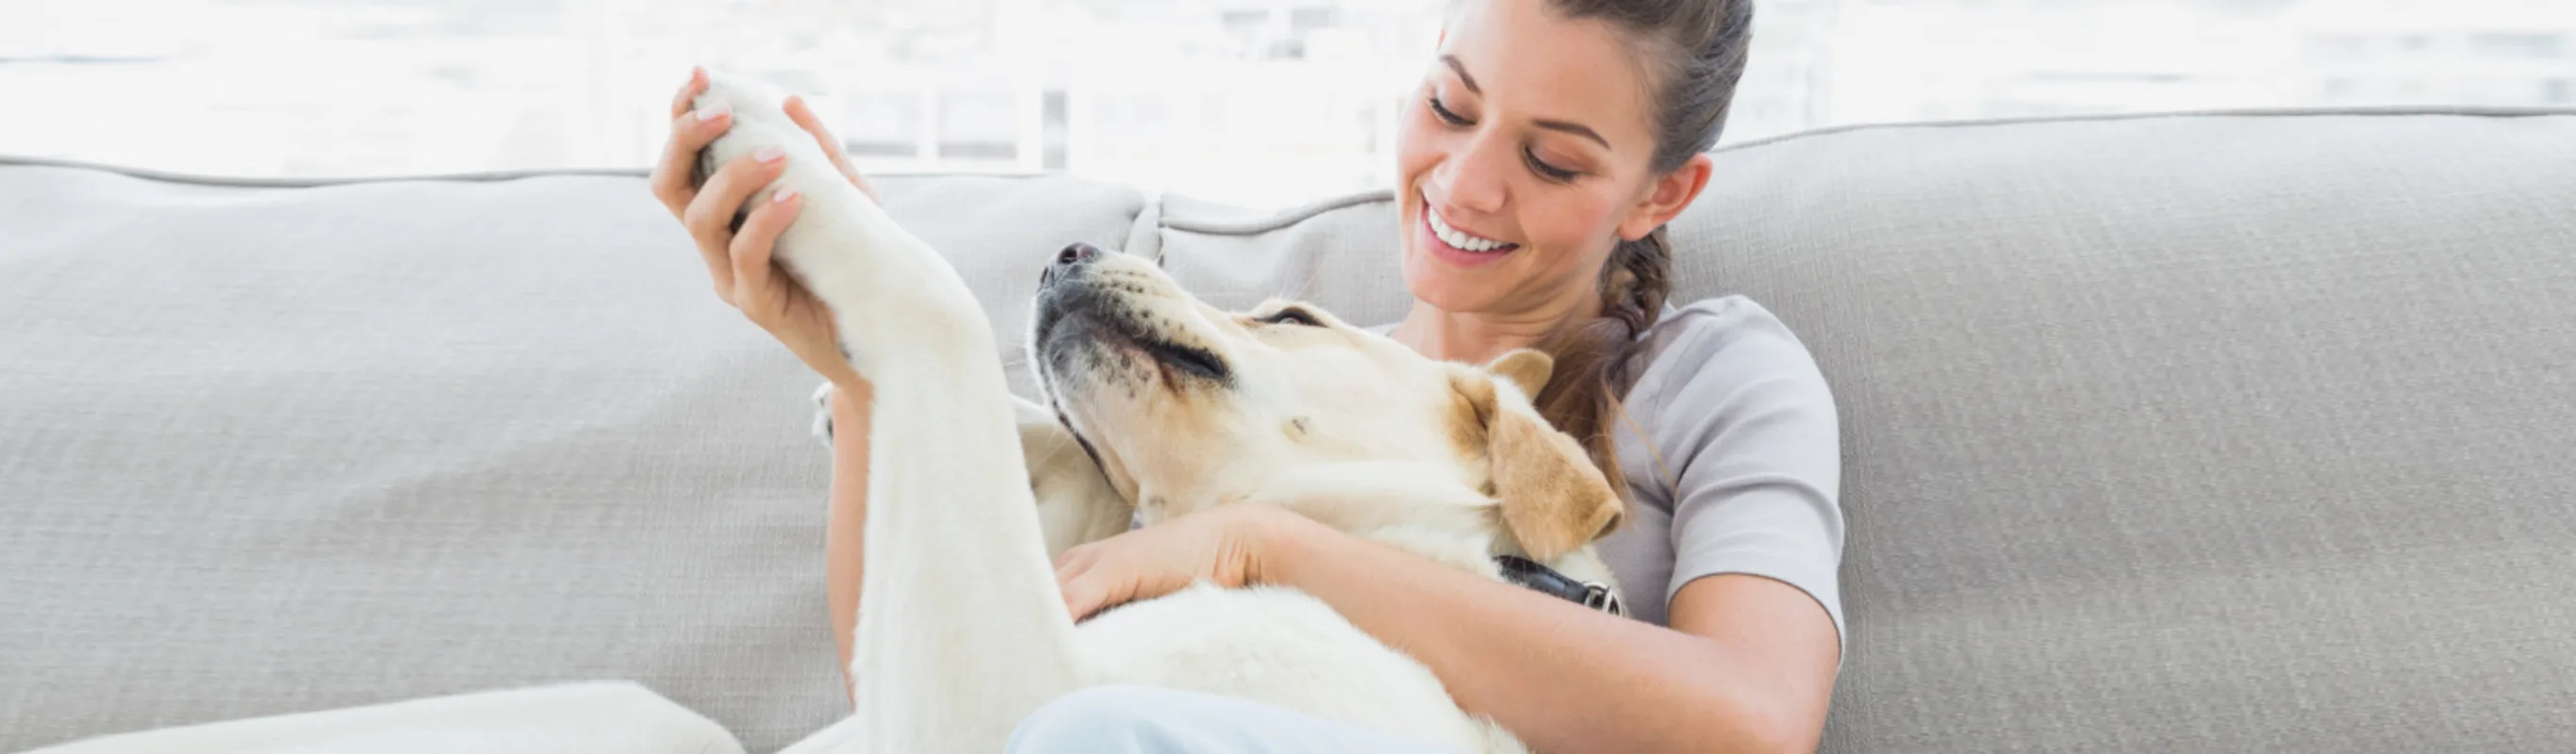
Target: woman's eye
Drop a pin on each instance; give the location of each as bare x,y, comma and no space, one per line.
1291,317
1550,172
1442,111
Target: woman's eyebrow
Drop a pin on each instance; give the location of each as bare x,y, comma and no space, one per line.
1570,127
1461,68
1577,129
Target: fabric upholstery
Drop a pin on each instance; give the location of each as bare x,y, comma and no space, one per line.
596,717
273,450
2211,433
2208,433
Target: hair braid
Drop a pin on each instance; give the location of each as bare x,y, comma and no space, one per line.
1693,53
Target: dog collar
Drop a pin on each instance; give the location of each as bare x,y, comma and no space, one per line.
1545,580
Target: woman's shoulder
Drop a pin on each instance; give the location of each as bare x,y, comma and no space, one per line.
1718,344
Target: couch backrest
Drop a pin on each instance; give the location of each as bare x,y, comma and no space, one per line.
270,448
2182,433
2165,433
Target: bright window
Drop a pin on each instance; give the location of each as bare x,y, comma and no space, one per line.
1252,101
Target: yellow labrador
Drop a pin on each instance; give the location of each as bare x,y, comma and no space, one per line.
1161,405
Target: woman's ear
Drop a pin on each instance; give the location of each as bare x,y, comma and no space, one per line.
1666,197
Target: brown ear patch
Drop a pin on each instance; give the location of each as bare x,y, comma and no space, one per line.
1527,368
1471,406
1553,499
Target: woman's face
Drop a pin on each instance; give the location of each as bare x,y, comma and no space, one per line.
1522,159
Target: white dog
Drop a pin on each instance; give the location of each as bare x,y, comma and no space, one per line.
1162,405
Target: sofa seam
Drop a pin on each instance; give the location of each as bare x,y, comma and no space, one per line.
2258,112
1144,230
487,176
1282,219
1309,211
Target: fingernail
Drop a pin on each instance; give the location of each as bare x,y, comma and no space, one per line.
714,111
782,196
769,153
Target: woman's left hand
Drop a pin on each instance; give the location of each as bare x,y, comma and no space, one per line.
1224,545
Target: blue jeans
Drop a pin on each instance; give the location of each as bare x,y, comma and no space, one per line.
1149,720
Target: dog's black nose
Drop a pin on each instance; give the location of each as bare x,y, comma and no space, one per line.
1071,257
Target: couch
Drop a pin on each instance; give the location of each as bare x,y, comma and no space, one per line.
2247,431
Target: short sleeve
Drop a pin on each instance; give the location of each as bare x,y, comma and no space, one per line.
1745,433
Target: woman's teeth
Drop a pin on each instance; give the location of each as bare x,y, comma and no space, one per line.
1457,238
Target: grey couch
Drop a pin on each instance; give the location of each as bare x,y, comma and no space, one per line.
2228,432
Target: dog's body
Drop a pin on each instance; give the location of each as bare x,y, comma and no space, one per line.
1162,406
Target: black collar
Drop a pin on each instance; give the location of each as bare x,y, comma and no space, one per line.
1545,580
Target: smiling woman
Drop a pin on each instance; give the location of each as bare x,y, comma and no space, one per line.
1546,146
1537,159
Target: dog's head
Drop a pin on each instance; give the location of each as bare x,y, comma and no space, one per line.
1187,406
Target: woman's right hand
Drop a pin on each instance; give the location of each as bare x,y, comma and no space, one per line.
739,262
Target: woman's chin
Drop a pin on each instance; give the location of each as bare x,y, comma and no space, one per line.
1444,286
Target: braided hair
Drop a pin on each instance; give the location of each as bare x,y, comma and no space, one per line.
1693,53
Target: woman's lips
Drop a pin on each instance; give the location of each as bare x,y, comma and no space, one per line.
1452,254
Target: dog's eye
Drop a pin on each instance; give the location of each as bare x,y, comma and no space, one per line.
1291,316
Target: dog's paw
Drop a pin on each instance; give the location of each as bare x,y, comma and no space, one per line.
886,289
759,120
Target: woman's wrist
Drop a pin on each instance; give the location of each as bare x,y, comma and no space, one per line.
1281,541
850,399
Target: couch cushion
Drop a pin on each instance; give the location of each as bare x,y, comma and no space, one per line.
2185,433
2206,433
270,449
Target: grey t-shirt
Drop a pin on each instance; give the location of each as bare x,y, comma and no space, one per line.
1733,457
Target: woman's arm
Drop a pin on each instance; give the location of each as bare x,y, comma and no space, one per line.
845,530
1748,665
745,277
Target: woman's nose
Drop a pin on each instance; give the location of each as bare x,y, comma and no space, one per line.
1473,181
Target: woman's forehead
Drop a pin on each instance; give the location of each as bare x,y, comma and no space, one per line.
1532,64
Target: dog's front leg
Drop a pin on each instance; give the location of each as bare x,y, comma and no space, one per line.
965,632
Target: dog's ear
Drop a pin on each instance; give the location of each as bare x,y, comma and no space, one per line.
1553,499
1527,368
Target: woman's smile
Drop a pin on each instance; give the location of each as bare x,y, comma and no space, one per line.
1455,246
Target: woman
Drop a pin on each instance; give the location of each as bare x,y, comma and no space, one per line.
1549,144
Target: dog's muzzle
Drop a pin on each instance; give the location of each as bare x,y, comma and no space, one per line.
1095,308
1073,256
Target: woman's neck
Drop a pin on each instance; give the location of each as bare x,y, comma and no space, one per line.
1479,337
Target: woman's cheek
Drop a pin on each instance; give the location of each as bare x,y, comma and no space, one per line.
1580,228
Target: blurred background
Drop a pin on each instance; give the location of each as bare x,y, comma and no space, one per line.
1258,102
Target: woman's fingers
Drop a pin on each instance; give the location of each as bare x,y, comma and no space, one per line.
689,91
803,114
756,288
710,215
673,178
1091,590
690,132
1081,595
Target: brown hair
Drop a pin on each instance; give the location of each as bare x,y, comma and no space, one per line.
1692,52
